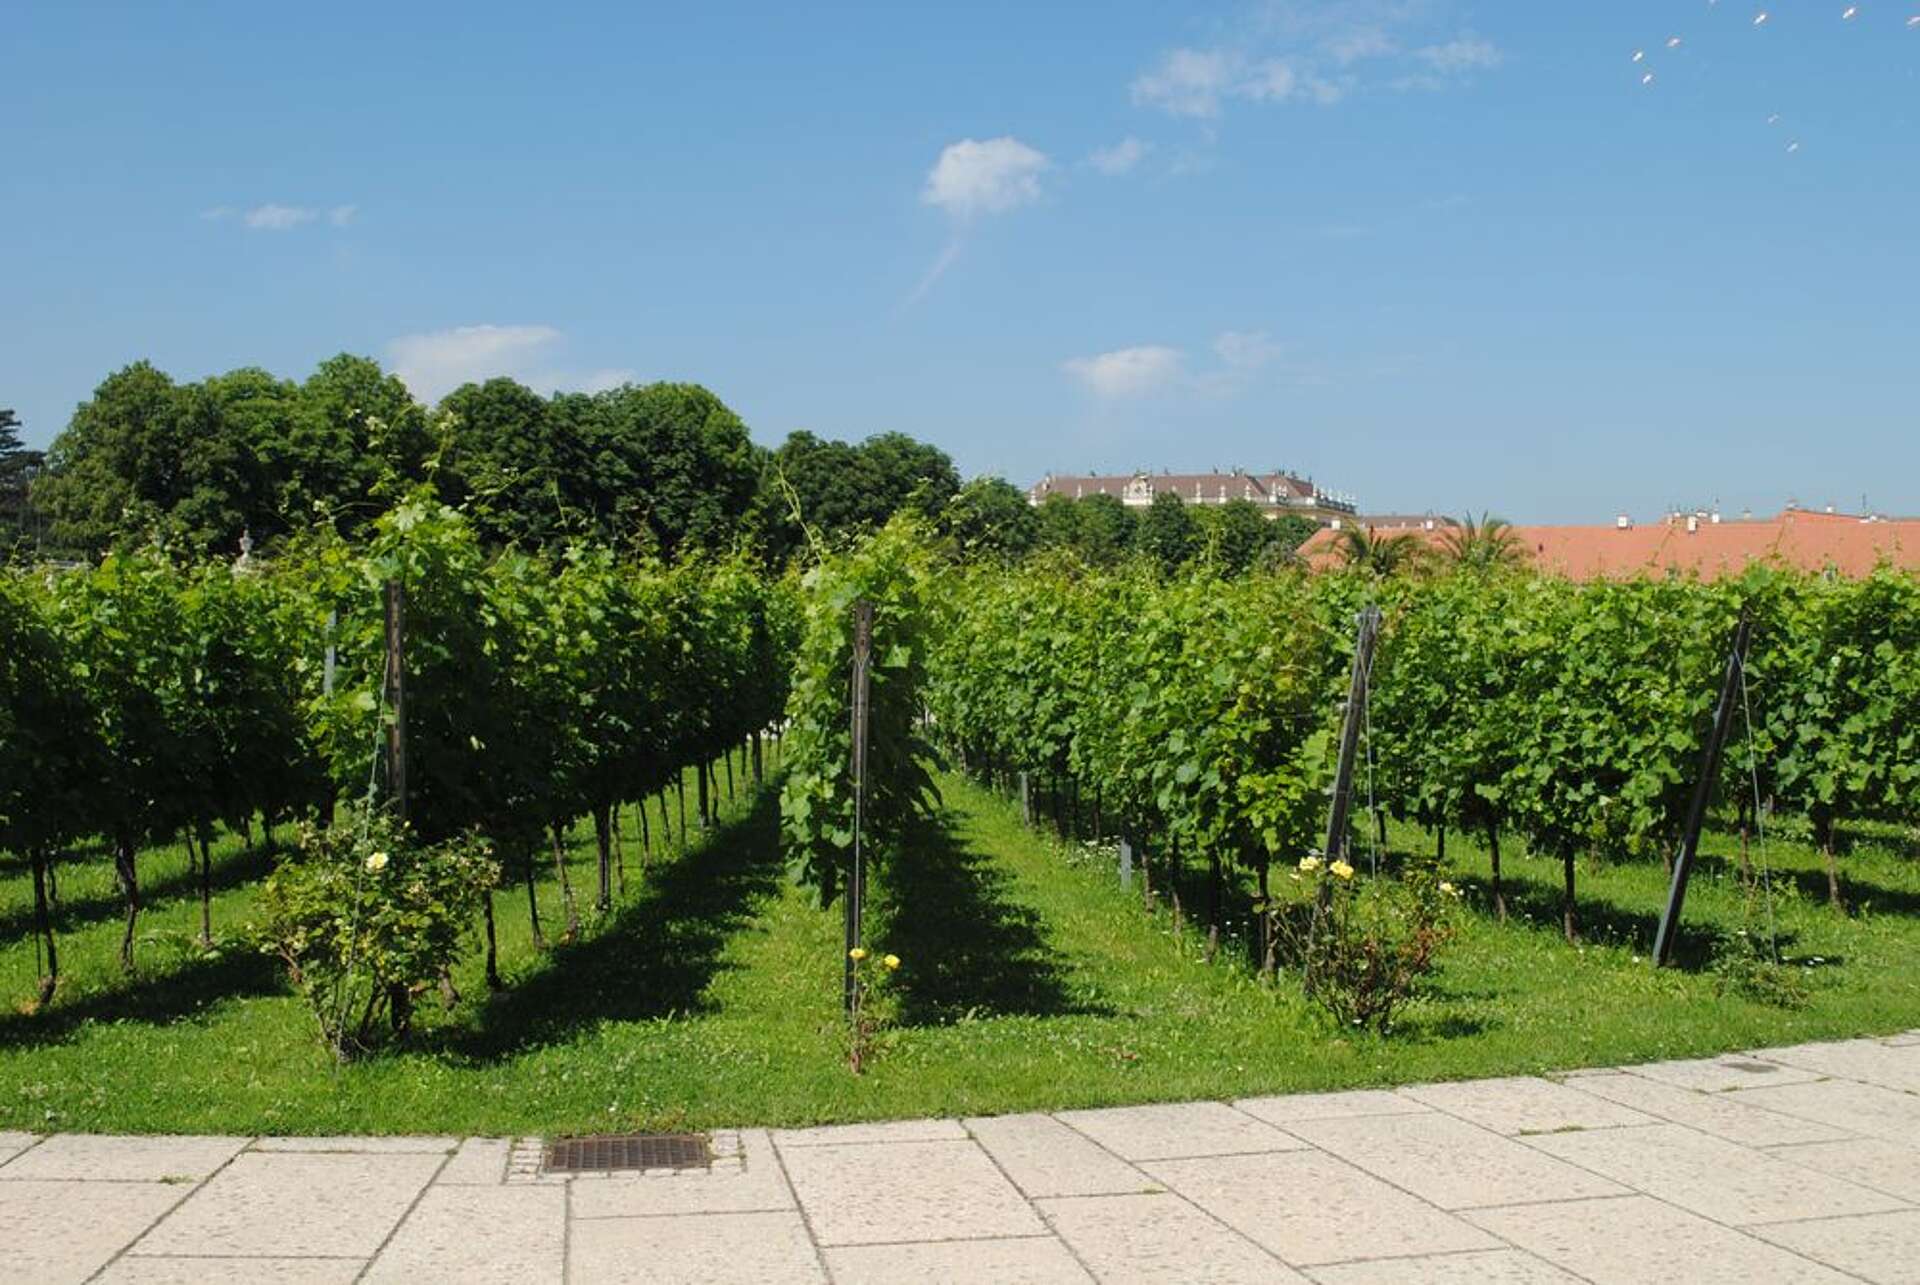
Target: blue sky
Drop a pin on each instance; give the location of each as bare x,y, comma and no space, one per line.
1443,255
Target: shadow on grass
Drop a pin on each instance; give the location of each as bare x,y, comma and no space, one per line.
969,948
230,871
1811,886
1600,923
654,957
153,999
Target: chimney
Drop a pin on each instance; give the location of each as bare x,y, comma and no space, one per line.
1829,508
1623,523
1715,519
1693,523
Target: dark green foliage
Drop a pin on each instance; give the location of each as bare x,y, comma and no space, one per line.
499,462
19,528
845,490
892,572
1168,535
990,519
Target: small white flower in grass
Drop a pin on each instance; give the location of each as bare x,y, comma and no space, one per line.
376,862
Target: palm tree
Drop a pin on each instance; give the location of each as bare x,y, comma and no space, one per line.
1482,545
1365,548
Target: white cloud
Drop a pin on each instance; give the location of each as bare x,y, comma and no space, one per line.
1119,159
1318,52
1188,82
435,363
1247,349
1128,372
1360,43
991,177
1460,56
274,217
279,218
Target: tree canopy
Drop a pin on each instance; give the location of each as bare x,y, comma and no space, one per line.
844,489
18,467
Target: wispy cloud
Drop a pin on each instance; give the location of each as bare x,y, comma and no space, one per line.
1128,372
1189,82
984,177
1240,359
1460,56
972,179
1286,51
937,270
1122,158
1247,349
434,363
274,217
278,218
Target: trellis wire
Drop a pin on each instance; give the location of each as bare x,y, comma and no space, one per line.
1759,826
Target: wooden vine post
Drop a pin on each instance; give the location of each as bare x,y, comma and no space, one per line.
856,869
1367,632
395,681
1703,791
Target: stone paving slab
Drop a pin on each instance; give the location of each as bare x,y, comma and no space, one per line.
1631,1240
1308,1207
1722,1074
1727,1183
133,1270
841,1135
1866,1109
1869,1061
1451,1163
1047,1158
52,1232
1870,1162
1034,1260
478,1162
1289,1107
12,1144
1175,1131
1483,1267
77,1157
478,1236
1724,1115
1524,1104
1876,1247
296,1205
709,1249
905,1191
362,1146
1159,1240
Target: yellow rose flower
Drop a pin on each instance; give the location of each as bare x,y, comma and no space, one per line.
1341,870
892,962
376,862
1310,864
1446,887
857,954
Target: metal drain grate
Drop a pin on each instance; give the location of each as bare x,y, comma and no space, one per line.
631,1152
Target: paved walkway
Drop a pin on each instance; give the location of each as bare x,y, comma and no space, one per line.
1795,1164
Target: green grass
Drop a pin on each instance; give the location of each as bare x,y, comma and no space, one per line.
1031,980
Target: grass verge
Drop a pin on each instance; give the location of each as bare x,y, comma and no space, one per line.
1030,980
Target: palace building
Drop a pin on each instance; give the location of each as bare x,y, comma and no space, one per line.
1276,494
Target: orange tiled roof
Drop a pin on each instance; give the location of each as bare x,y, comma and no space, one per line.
1850,545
